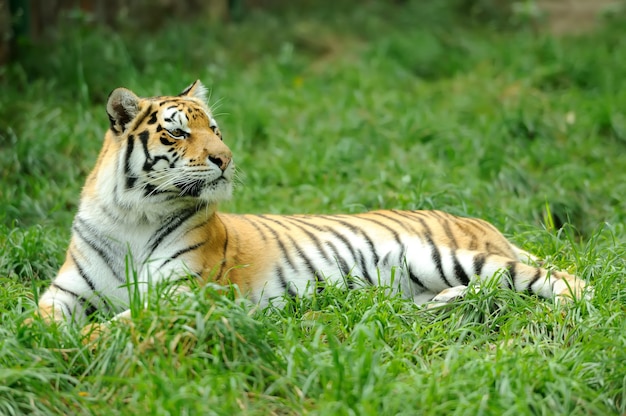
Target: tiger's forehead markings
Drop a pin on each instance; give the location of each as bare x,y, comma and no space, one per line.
175,118
177,113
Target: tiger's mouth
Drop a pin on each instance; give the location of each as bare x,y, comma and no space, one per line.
195,188
191,188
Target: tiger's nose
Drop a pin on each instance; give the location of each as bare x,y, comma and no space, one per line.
222,161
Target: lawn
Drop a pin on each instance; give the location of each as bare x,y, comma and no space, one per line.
337,109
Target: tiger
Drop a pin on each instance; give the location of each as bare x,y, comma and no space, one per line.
148,215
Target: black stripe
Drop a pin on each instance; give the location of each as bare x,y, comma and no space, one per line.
130,145
183,251
446,228
484,227
415,279
307,260
91,242
496,250
90,283
82,273
88,308
511,269
224,249
149,163
202,224
297,247
436,254
360,258
275,221
479,263
473,245
416,216
463,224
282,247
171,100
308,263
69,292
141,117
169,227
534,280
153,117
412,215
356,230
143,137
365,269
343,266
256,227
166,142
438,215
66,307
330,230
412,276
385,260
407,226
393,232
91,310
478,226
459,271
111,215
278,271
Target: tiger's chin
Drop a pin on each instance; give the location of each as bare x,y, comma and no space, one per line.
219,190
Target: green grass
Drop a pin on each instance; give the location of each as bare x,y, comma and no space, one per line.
336,110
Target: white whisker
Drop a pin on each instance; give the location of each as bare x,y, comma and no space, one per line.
217,115
216,104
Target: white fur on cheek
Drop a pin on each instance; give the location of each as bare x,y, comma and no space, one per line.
221,189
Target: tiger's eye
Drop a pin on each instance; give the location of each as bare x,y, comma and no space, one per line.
177,133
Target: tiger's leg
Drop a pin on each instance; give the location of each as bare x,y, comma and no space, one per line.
126,315
448,295
92,332
515,275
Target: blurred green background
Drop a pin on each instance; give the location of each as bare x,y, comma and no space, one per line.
512,111
508,110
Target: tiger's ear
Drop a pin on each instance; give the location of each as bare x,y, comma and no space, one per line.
122,107
197,90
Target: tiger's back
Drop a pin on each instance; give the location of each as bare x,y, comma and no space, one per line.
148,213
304,252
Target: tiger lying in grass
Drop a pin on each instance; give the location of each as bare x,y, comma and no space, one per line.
150,207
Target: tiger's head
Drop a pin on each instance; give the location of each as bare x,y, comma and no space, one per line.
168,148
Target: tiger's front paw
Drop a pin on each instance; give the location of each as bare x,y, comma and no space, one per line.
93,333
47,313
448,295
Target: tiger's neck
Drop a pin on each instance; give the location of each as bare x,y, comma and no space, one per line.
108,194
142,234
146,243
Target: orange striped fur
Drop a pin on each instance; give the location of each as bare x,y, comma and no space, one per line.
150,203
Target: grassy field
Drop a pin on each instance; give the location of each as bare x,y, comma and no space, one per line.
336,110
